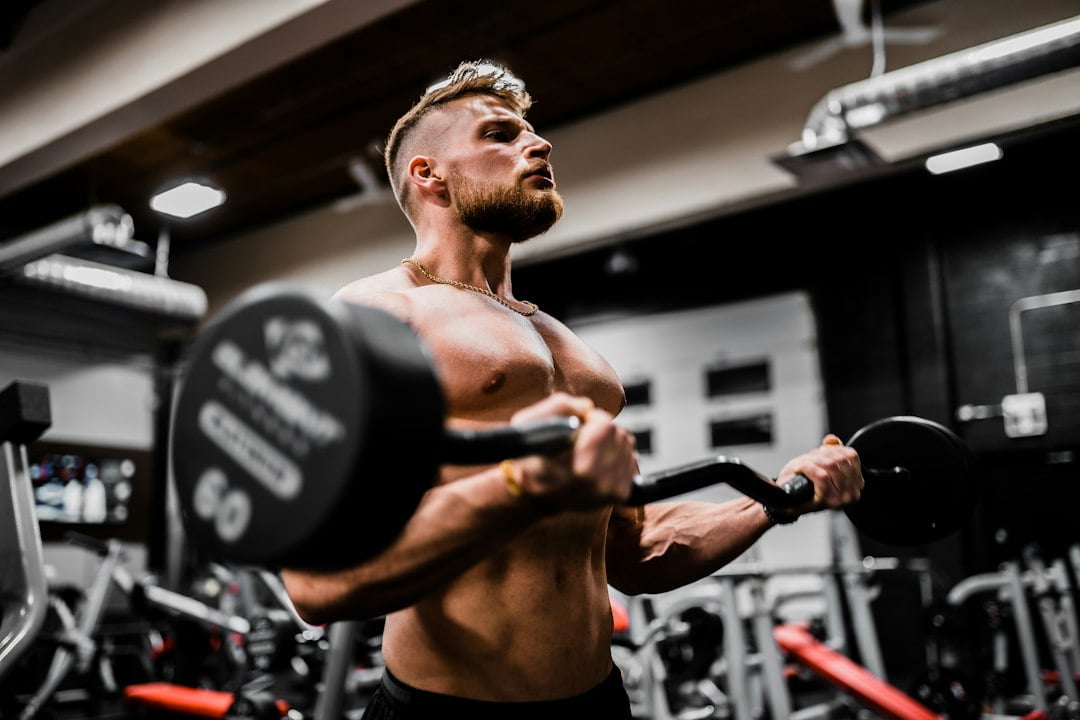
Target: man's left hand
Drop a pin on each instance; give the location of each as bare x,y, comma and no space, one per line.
835,471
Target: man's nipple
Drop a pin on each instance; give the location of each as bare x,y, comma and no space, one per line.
495,382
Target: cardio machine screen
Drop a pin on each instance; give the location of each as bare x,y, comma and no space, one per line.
86,486
74,488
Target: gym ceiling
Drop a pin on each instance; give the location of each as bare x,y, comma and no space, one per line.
290,137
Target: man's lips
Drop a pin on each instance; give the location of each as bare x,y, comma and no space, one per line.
543,173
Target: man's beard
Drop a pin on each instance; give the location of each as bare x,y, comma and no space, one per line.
506,210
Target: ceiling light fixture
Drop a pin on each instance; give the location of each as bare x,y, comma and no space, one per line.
963,158
188,199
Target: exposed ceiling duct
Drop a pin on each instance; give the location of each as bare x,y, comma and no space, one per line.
965,73
104,225
159,296
39,259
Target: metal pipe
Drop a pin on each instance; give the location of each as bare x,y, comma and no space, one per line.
1055,632
178,604
845,544
1025,631
735,652
950,77
100,225
974,584
116,286
1059,576
1032,302
331,700
85,629
22,564
772,665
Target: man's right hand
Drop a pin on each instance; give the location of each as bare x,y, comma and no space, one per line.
597,471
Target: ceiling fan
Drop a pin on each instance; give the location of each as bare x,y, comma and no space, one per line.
856,33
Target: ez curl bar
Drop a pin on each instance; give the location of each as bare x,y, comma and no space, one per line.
291,445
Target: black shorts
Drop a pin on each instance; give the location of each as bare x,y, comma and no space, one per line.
394,700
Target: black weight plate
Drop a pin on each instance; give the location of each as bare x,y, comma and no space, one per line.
405,432
934,497
269,422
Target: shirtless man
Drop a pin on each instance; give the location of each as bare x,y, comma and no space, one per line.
496,592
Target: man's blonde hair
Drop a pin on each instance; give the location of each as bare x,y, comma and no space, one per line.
478,77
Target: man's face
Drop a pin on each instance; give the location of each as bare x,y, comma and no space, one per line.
498,172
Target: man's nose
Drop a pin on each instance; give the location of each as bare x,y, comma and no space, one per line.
538,147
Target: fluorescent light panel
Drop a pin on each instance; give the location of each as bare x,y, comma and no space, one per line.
966,157
188,199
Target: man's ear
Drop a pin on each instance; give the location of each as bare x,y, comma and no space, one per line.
425,176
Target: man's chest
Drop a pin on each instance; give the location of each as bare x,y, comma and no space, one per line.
491,364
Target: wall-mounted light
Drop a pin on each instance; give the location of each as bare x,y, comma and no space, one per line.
188,199
963,158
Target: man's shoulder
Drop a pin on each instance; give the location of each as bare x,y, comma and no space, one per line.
387,290
552,325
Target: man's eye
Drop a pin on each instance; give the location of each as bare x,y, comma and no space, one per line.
497,135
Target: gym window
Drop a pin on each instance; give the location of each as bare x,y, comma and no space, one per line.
638,393
750,430
644,441
736,379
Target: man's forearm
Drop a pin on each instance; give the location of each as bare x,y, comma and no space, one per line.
454,527
664,546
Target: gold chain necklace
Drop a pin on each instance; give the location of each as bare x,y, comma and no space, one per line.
443,281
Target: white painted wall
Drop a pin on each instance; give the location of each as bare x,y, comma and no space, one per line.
673,351
94,401
100,402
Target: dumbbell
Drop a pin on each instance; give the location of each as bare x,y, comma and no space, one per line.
306,430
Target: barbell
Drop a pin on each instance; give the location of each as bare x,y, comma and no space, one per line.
305,431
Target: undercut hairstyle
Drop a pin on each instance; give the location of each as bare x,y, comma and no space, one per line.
478,77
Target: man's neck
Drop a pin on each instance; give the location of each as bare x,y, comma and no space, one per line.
466,256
